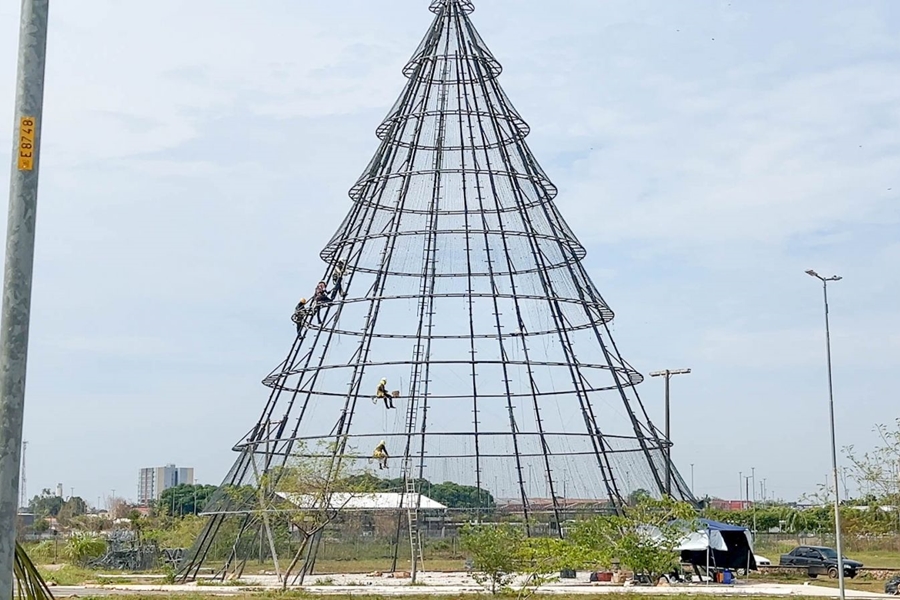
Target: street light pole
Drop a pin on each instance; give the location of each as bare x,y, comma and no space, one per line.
837,501
668,373
19,270
753,503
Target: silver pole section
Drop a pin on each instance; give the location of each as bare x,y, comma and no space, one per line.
837,501
834,469
18,270
668,440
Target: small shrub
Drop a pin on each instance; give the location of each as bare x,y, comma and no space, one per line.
81,548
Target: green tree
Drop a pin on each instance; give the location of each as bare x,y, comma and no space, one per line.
877,472
174,533
541,560
637,496
46,505
40,525
73,507
310,491
496,551
454,495
184,499
645,538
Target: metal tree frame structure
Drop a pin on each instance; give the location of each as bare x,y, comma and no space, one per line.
461,284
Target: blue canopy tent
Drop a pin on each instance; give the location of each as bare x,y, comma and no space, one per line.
718,546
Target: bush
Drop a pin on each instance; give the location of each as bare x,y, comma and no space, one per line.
495,553
81,548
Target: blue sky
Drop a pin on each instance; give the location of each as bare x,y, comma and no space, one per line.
197,157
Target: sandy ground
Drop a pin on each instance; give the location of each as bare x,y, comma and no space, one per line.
459,583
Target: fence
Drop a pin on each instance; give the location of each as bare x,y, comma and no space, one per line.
781,543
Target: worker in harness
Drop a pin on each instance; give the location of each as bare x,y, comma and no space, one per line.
321,300
381,455
300,314
382,393
337,277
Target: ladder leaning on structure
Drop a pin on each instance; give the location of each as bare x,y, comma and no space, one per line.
412,497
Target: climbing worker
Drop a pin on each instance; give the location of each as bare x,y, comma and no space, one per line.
321,294
382,393
321,300
300,314
337,277
381,455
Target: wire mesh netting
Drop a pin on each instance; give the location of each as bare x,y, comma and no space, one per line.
456,336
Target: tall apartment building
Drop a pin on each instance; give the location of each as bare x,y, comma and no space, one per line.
152,481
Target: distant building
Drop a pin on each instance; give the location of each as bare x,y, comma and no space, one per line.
729,505
152,481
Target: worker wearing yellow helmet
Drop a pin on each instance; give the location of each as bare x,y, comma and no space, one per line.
381,392
381,454
300,314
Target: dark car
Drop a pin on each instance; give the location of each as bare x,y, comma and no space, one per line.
893,586
819,561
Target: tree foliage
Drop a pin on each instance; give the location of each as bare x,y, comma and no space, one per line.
644,539
82,548
46,505
310,491
174,533
454,495
72,508
501,553
877,472
495,551
184,499
450,494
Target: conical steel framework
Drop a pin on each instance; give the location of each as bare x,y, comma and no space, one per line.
460,284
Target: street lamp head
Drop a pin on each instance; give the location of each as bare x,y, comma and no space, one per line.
669,372
834,278
812,273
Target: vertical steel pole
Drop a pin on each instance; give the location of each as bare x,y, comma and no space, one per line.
837,501
668,441
753,502
18,270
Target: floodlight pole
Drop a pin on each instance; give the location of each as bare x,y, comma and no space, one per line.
668,373
17,275
837,501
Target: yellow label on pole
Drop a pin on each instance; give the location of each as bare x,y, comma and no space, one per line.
27,126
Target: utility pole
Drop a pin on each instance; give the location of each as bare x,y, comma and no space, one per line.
668,373
753,502
837,500
18,270
23,493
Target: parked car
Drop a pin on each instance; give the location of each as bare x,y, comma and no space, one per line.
819,561
762,561
893,586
